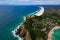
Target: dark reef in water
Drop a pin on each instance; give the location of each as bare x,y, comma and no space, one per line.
38,27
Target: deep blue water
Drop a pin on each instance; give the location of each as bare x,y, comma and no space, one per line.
10,17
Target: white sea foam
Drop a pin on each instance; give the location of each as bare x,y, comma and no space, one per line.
24,18
15,31
18,28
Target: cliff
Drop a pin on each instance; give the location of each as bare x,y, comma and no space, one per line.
23,33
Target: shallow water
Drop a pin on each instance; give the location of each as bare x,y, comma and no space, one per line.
56,35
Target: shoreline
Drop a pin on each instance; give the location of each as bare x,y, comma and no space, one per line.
38,13
52,31
13,32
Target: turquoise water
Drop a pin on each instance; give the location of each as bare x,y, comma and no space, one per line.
10,17
56,35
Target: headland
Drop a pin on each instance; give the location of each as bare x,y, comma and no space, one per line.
39,26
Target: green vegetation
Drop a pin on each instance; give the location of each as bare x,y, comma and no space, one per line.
39,26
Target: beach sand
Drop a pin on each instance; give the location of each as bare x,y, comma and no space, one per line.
52,31
40,12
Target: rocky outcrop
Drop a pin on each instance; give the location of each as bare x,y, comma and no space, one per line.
23,33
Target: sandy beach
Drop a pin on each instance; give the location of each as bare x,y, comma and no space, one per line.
51,32
40,12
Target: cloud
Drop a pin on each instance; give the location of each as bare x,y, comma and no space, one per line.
30,2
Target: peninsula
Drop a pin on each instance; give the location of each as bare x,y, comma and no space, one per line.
40,25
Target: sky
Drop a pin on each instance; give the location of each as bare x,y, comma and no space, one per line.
30,2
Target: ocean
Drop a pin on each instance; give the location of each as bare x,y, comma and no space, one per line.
11,16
